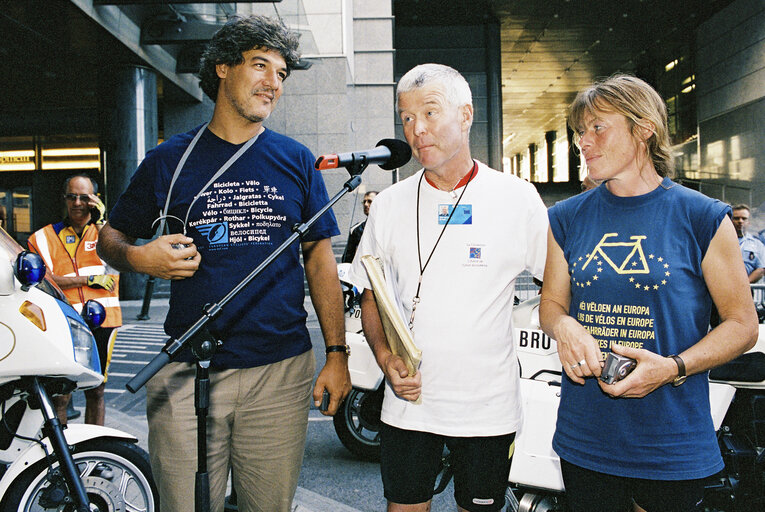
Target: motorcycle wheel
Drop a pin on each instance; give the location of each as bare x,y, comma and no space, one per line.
531,501
116,474
357,422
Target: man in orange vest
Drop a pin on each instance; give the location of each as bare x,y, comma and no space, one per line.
69,250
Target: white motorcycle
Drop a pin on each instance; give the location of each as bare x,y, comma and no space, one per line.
535,484
46,348
357,421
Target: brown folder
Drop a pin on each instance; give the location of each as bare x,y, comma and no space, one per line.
396,331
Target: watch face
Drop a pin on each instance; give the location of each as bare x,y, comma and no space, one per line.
678,380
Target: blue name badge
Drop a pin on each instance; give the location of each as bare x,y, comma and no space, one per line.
463,215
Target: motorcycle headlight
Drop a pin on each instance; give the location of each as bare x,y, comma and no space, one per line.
85,351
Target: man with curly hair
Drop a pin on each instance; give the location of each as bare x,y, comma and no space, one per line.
230,192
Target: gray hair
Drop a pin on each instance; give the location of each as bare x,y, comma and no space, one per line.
454,85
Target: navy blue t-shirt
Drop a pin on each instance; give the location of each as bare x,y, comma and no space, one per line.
236,223
636,279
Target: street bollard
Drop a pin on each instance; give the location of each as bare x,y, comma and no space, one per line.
148,292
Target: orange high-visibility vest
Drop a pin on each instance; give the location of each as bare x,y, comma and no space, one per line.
86,262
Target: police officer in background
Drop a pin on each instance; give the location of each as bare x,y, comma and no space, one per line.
752,250
69,251
356,231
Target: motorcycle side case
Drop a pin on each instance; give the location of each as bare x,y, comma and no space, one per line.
75,433
720,398
756,376
365,374
535,463
537,352
352,298
353,319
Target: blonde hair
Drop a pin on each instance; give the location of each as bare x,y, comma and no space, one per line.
639,103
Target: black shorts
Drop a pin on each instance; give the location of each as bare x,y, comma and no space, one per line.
410,461
616,493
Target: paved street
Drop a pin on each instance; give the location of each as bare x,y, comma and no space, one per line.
331,480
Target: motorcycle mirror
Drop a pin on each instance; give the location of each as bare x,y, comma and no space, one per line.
29,269
94,313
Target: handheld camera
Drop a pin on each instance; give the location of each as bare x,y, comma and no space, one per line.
616,368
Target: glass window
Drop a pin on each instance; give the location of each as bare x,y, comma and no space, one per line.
22,212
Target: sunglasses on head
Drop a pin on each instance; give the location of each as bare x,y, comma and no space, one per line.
73,197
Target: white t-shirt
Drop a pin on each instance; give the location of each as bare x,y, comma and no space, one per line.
463,321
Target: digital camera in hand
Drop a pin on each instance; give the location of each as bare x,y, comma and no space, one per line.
181,246
616,368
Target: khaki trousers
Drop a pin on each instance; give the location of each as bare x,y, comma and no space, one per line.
257,423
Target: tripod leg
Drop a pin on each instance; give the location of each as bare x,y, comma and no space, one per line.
202,404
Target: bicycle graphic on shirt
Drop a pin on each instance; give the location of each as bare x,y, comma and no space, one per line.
637,248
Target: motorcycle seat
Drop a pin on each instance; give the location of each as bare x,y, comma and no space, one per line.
745,368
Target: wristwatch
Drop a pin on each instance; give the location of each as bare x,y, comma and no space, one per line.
681,376
339,348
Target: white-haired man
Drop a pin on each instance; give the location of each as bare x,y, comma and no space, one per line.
454,267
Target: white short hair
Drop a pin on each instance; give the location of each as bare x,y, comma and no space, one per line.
454,85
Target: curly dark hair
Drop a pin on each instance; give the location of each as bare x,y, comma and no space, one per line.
239,35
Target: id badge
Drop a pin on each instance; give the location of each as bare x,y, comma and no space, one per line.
463,215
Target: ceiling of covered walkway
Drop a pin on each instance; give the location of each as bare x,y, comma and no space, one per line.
550,49
553,48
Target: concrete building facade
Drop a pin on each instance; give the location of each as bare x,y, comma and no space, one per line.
91,85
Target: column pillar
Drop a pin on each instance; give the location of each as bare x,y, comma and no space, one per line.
129,128
494,94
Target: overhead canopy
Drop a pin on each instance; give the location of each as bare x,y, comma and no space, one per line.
553,48
53,58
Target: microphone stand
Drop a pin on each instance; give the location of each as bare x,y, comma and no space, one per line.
203,344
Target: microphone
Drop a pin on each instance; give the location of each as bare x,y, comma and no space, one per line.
389,154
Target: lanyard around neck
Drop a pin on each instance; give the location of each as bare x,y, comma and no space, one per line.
416,299
180,165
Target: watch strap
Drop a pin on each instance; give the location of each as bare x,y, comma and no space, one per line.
339,348
681,375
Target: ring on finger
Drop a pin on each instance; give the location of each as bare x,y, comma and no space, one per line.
574,366
582,362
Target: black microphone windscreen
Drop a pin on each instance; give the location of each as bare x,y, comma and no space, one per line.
400,153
